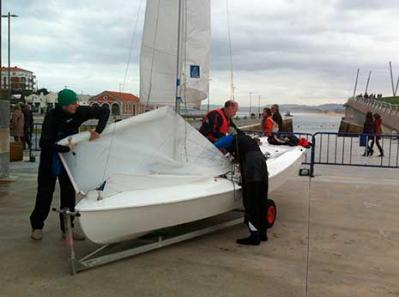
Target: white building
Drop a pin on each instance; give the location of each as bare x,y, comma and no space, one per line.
41,103
21,79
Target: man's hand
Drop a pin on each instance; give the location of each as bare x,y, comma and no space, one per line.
93,135
71,145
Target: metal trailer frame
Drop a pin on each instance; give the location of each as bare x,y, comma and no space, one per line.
92,259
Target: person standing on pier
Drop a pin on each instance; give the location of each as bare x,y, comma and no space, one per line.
368,130
59,123
17,123
378,133
254,180
217,123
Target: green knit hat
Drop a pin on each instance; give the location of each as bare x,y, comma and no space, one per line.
67,97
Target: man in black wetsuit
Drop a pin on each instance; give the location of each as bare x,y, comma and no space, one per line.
59,123
254,177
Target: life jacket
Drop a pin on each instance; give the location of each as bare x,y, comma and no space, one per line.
223,129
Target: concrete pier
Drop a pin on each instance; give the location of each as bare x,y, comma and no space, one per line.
353,247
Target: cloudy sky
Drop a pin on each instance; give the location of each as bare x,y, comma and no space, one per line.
286,51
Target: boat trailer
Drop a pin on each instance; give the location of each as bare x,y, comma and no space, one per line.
117,251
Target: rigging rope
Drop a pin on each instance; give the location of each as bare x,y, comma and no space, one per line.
232,88
131,45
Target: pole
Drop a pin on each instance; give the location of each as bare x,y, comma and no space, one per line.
178,66
393,87
250,103
1,65
368,82
258,105
357,78
9,56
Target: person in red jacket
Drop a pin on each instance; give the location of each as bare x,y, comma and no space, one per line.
377,137
217,123
269,126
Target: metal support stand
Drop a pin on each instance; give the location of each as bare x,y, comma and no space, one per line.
138,246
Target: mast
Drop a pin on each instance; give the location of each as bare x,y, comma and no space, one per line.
392,83
355,88
368,82
178,64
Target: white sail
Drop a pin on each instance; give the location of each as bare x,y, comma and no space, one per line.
158,143
159,52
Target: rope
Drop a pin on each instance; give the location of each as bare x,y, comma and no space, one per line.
232,88
308,238
131,45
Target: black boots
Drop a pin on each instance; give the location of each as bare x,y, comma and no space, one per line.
253,239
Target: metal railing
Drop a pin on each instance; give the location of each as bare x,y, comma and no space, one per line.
328,148
376,103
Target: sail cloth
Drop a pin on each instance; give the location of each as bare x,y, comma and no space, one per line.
158,60
157,143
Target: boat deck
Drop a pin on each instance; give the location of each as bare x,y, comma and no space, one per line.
353,247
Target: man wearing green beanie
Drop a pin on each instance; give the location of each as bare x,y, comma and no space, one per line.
62,121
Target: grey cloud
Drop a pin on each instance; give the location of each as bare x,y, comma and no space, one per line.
312,46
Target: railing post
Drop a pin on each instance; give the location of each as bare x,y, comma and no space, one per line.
312,155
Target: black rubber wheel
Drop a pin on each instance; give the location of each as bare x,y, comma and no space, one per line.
271,213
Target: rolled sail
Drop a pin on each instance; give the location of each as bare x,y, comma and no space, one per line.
158,61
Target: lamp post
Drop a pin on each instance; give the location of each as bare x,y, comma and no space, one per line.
250,103
9,16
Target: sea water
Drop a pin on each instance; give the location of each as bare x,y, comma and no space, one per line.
315,122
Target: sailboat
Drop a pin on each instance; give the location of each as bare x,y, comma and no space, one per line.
155,170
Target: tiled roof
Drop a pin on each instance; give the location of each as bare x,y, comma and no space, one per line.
118,96
15,68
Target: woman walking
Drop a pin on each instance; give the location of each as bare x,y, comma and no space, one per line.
368,130
377,137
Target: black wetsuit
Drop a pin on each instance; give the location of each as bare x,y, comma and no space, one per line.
254,182
57,125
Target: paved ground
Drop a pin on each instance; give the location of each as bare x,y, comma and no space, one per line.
354,247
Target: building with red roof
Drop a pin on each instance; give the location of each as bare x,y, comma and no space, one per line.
121,104
21,79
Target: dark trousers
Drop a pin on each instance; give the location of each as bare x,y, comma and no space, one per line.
254,199
46,186
376,139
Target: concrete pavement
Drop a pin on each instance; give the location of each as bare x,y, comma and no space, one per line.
354,247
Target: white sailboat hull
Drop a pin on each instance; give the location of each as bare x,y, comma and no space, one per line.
131,214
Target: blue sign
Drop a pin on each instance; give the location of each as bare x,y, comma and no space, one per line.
195,71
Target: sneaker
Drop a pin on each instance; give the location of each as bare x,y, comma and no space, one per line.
75,235
37,234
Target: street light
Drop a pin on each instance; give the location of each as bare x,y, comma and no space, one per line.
9,16
250,103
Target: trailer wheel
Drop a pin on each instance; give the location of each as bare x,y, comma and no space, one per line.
271,213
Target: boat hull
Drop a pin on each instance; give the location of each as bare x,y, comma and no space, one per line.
105,223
